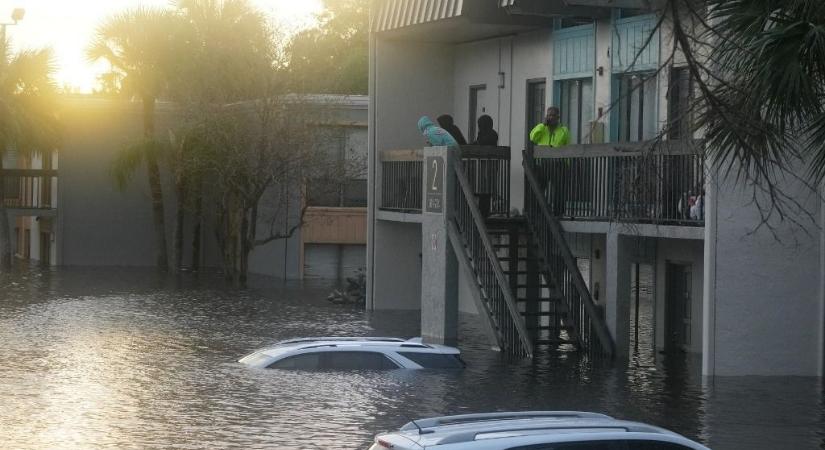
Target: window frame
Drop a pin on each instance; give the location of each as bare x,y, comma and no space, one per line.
324,359
621,118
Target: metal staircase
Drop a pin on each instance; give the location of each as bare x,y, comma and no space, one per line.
525,281
477,257
560,268
540,304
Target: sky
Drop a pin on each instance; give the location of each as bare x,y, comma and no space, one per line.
68,25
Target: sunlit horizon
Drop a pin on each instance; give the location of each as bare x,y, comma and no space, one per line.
67,27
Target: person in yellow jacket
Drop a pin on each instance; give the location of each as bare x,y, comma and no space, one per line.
553,134
550,132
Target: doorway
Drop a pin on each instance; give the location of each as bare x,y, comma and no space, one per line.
677,307
642,313
478,107
536,95
45,248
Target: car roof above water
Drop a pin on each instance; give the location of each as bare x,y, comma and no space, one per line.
341,343
478,427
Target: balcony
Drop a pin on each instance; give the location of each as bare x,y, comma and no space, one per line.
487,169
629,182
29,189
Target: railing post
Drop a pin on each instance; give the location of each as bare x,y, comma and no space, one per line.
439,266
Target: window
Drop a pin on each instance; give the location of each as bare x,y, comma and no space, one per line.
306,361
349,146
434,360
624,13
336,361
569,22
357,361
576,103
636,107
679,96
536,94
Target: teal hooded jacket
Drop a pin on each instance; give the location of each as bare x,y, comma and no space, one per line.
436,136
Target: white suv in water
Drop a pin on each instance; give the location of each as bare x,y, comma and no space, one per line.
531,430
350,353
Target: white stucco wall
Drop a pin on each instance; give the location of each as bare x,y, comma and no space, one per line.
412,79
601,83
532,59
763,295
397,273
520,58
407,80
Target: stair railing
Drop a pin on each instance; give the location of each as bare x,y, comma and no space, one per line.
468,227
590,327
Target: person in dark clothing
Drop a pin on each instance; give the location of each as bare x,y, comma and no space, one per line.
445,121
486,134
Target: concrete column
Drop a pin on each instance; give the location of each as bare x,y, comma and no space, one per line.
709,267
618,256
439,268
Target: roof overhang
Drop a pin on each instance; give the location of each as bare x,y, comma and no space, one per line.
449,21
594,9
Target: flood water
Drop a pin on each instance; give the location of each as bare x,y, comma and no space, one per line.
124,358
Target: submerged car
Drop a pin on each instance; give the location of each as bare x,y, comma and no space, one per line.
532,430
351,353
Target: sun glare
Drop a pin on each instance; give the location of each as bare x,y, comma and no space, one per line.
67,27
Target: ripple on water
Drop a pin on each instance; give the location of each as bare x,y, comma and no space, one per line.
125,358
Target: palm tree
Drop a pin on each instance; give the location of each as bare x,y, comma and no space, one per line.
28,118
759,66
140,44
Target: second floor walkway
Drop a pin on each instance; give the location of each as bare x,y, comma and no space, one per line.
638,184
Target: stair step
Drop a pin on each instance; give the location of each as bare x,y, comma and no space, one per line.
542,299
542,286
553,342
543,314
551,328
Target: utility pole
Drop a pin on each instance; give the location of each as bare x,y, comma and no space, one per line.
16,16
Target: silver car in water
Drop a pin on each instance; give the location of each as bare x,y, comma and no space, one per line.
354,353
531,430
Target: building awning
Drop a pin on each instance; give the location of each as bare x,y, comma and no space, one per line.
571,8
394,14
448,20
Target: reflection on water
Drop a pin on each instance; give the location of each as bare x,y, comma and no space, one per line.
125,358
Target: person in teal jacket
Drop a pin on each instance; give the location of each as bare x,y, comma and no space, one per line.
436,136
550,132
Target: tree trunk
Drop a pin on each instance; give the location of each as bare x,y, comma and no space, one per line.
161,255
196,230
244,253
180,189
5,231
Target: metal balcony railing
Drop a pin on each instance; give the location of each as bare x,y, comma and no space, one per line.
559,264
28,188
487,169
470,238
660,183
